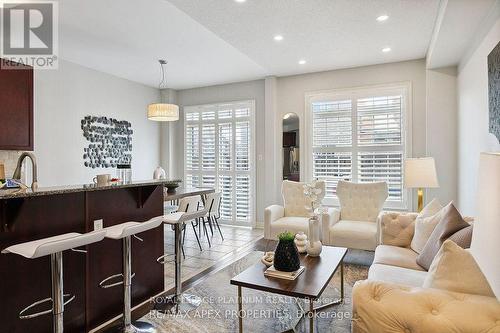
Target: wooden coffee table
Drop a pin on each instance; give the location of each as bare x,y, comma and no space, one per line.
309,285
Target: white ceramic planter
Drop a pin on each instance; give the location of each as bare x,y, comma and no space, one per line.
314,245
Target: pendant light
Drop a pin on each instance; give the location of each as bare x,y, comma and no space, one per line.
163,111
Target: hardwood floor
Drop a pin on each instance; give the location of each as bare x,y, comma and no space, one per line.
237,240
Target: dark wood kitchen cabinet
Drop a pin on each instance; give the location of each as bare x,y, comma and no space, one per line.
24,281
16,107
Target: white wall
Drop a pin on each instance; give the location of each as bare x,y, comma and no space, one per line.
277,96
441,125
63,97
251,90
473,122
292,90
168,134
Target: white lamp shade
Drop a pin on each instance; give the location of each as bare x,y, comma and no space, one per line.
485,245
420,173
163,112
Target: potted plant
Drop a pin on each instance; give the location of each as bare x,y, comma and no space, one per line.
286,256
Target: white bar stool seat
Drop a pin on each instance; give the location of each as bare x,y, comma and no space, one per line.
125,231
46,246
54,246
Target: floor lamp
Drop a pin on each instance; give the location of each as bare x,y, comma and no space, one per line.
420,173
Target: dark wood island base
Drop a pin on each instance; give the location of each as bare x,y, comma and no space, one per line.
28,215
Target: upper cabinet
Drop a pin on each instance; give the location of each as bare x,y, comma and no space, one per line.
16,107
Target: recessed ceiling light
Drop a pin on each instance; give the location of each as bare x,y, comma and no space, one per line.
382,18
278,38
240,1
386,49
302,62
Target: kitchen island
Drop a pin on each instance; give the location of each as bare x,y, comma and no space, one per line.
27,214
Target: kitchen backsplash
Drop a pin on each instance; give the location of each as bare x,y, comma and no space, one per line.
9,159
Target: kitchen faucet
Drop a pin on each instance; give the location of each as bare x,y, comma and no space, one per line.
17,172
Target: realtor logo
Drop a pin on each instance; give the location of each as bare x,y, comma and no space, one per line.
29,34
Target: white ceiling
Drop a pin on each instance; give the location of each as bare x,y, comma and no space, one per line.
329,34
460,18
211,42
126,38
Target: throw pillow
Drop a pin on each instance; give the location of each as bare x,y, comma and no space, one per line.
463,237
451,221
425,223
455,269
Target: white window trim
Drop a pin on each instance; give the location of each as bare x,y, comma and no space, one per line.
253,161
360,92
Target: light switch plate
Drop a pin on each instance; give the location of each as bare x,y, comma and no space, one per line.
98,225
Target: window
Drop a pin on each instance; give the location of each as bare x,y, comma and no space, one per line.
359,135
219,145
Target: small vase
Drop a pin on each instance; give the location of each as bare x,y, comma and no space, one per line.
286,256
301,242
159,173
314,245
314,248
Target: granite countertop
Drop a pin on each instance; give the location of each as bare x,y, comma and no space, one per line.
28,192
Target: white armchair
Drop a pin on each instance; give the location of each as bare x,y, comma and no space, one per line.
293,217
356,224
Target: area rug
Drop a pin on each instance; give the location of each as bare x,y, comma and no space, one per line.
264,312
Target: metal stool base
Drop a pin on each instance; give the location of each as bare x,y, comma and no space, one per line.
136,327
143,327
182,304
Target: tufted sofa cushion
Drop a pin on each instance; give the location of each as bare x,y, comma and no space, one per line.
397,229
381,307
398,275
295,201
361,202
397,256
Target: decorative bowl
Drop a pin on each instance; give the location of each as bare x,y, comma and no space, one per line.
172,185
268,258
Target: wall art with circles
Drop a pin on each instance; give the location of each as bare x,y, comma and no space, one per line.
109,142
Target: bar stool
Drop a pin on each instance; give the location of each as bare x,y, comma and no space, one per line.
54,246
191,205
181,302
213,201
124,232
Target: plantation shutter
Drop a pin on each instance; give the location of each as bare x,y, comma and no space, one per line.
360,136
332,133
380,124
218,154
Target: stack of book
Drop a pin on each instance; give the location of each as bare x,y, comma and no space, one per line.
273,272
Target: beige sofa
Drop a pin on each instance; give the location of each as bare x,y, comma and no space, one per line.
392,299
